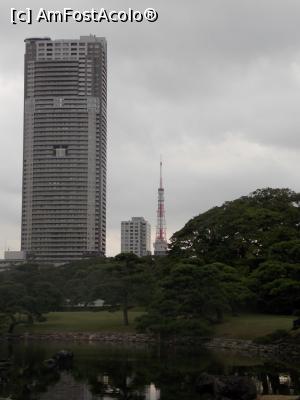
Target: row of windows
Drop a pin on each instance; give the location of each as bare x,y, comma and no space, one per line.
60,44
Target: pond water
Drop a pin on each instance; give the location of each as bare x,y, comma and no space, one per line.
128,372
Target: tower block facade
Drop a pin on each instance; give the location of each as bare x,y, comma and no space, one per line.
64,155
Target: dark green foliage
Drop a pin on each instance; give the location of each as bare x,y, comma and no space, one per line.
125,283
258,235
272,337
242,231
25,294
166,326
277,286
288,251
242,255
190,297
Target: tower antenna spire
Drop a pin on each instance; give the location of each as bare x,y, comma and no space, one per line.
161,182
160,244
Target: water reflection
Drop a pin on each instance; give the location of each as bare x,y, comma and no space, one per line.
109,372
67,387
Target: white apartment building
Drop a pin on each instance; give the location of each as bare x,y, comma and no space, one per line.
136,236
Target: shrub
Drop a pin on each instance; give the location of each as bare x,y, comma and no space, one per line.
272,337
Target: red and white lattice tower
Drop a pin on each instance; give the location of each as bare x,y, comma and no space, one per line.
161,244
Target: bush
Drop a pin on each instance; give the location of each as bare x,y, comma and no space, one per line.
272,337
154,323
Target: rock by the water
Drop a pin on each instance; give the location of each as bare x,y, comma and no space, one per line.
207,384
63,354
62,359
236,387
50,363
226,387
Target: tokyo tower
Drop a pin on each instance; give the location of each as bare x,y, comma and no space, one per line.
160,244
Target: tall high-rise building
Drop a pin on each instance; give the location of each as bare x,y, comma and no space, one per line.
64,156
136,237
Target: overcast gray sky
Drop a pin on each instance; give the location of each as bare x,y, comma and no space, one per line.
213,86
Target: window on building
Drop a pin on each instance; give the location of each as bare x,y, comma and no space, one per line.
60,151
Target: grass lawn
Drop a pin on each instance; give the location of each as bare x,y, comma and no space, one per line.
278,397
82,321
246,326
249,326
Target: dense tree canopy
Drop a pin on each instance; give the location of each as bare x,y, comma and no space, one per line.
259,236
25,294
244,255
191,296
241,232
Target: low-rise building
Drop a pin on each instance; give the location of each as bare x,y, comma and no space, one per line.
15,255
136,236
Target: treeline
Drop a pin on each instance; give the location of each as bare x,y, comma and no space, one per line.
244,255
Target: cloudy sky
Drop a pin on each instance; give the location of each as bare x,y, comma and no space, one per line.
213,86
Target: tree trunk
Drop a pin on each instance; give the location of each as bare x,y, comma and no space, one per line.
11,327
125,316
219,315
12,324
30,319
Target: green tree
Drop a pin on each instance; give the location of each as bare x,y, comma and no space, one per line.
12,296
25,296
241,232
286,251
190,297
277,285
125,282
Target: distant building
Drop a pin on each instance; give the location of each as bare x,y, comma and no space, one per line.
15,255
12,259
136,236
